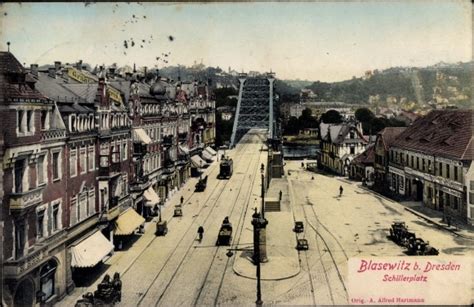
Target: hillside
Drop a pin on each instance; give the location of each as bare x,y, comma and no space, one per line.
440,84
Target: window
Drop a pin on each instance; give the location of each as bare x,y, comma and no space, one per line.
423,164
82,161
47,273
19,172
417,163
55,217
471,185
29,121
40,223
44,118
56,166
455,203
40,170
412,164
21,121
447,171
471,198
73,162
455,171
91,202
82,208
440,169
124,151
20,238
73,211
430,193
91,158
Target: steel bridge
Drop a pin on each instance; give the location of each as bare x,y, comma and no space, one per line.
255,106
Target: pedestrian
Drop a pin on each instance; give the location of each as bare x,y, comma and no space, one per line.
200,233
182,199
341,190
281,194
302,164
312,177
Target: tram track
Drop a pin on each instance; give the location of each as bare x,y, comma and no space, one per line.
189,249
240,227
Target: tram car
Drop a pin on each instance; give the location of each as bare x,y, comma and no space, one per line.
226,168
201,185
399,233
225,233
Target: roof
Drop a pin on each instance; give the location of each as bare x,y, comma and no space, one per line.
447,133
336,133
54,89
86,91
366,157
9,64
389,134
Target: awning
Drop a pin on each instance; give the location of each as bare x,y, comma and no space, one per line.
198,161
206,155
141,135
91,251
210,150
151,197
127,222
184,149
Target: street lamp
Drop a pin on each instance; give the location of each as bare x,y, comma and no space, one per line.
258,223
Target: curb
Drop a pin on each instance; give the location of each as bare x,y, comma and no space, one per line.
421,215
437,224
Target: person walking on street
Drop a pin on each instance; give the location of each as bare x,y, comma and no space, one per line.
200,233
340,191
182,199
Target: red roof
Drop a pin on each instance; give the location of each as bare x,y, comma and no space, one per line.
367,157
9,64
389,134
446,133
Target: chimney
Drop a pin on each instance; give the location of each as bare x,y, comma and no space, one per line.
145,70
134,68
79,65
52,72
112,72
34,69
57,66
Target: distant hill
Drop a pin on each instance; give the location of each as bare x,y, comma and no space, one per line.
440,84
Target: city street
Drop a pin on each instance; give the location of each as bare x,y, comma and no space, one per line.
177,269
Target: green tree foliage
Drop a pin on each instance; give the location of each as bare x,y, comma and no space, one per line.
306,120
364,115
331,117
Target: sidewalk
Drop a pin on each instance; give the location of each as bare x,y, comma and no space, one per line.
122,260
432,216
283,260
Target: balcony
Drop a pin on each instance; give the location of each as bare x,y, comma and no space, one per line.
113,169
20,202
16,268
51,135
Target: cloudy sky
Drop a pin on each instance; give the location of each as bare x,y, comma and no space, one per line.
325,41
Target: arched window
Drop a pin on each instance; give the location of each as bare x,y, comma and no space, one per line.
47,273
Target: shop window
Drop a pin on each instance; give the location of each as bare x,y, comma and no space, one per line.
47,273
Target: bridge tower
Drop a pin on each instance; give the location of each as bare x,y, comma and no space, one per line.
255,105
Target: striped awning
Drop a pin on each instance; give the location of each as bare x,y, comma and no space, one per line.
206,155
128,222
141,135
151,197
90,251
210,150
197,161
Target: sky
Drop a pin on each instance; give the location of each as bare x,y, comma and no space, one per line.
326,41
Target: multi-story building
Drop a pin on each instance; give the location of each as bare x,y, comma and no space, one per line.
34,206
431,161
383,142
340,143
80,152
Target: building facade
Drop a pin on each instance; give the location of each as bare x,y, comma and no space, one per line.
431,162
340,143
83,155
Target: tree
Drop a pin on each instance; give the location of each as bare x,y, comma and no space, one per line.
331,117
364,115
377,124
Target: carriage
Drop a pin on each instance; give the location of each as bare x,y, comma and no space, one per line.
419,247
226,168
400,234
225,233
201,185
178,210
299,226
161,228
